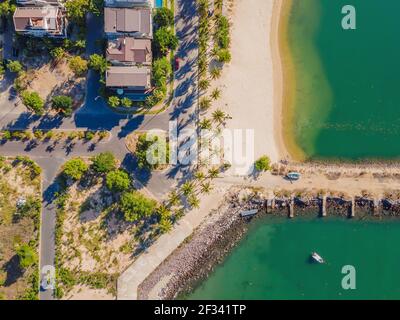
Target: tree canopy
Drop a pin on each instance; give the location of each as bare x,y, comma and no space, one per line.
118,180
262,164
75,168
164,40
104,162
27,256
136,206
164,17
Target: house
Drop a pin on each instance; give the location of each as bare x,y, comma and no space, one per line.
49,21
131,79
127,3
40,3
129,51
134,22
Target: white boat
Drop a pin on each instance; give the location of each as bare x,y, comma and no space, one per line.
293,176
317,258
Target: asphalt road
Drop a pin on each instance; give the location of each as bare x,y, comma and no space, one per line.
95,115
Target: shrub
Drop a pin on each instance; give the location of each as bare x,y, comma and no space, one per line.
89,135
118,180
262,164
27,256
63,104
136,206
114,101
223,55
14,66
104,162
75,168
57,53
78,65
76,10
33,101
98,63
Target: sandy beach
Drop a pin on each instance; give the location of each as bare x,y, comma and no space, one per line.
252,83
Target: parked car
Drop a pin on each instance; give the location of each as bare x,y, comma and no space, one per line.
177,63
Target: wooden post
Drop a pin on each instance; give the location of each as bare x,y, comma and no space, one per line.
323,206
353,208
291,207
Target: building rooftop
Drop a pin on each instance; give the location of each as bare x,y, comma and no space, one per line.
132,77
128,49
127,20
41,18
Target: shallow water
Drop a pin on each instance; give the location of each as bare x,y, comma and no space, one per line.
272,261
346,97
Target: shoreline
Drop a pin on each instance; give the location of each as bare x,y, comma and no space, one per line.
278,72
193,261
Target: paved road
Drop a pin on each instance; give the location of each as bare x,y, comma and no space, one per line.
95,115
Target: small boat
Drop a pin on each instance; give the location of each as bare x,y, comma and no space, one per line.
317,258
293,176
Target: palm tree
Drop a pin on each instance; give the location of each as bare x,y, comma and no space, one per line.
216,93
205,103
213,173
205,124
204,84
173,198
215,73
206,187
163,212
193,201
219,116
187,188
199,175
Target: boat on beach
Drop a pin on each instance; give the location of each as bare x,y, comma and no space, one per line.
293,176
317,258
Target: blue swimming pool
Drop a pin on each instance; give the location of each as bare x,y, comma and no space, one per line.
159,3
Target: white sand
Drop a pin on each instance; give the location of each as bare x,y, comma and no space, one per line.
248,81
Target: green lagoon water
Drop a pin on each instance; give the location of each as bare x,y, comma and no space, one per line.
272,261
347,98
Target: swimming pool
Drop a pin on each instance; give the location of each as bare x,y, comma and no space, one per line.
159,3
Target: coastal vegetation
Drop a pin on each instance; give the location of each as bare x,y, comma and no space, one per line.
20,206
102,223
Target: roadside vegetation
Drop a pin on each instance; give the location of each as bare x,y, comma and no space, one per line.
20,206
103,223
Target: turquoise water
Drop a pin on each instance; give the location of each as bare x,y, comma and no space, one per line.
347,99
159,3
272,261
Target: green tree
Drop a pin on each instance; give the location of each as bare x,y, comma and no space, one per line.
173,198
98,63
136,206
219,116
77,9
7,8
262,164
78,65
205,124
164,17
204,84
27,256
206,187
75,168
62,104
216,94
114,101
161,71
215,73
193,201
205,103
187,188
104,162
33,101
118,180
158,154
14,66
164,40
